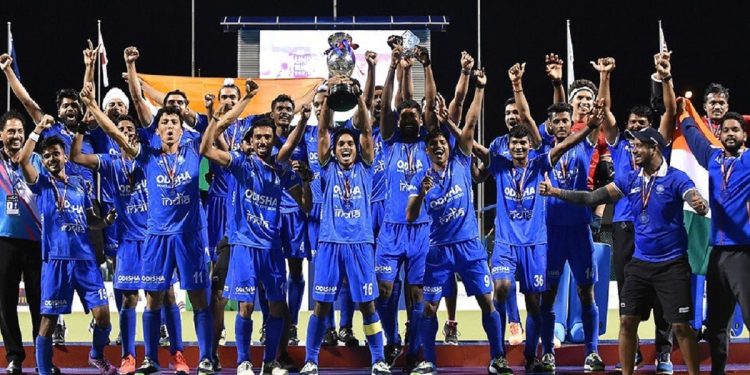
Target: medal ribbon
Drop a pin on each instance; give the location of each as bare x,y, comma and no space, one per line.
171,172
646,189
726,171
59,198
519,183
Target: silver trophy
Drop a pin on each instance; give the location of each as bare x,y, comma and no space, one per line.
407,40
341,61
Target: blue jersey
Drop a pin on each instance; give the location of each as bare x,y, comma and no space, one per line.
450,202
570,173
728,188
288,204
103,144
500,147
20,214
402,161
257,192
63,208
378,177
130,197
233,136
547,138
172,181
310,138
660,233
58,129
521,211
346,214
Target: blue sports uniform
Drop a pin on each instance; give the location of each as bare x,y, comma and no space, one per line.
378,183
294,240
499,147
69,263
257,222
103,144
58,129
175,215
345,246
454,237
521,241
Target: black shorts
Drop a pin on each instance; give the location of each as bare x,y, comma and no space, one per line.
668,282
219,273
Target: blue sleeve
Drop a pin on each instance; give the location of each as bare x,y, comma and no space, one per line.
623,183
683,183
699,145
201,122
106,163
42,182
290,180
544,163
415,182
235,165
87,200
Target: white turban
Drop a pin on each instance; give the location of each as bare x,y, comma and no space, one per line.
115,93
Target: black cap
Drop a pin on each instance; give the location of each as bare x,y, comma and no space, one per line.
648,135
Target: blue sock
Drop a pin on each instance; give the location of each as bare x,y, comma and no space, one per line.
274,326
263,302
43,354
243,331
331,319
491,323
374,332
500,308
417,310
533,327
511,304
151,323
347,306
118,299
387,321
173,321
296,294
316,327
127,331
99,340
547,332
394,302
204,329
427,330
163,317
590,315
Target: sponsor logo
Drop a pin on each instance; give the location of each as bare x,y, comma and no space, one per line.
258,220
379,166
322,289
153,279
73,227
128,279
683,310
356,192
74,208
635,190
136,208
500,269
126,190
180,179
453,214
520,215
55,302
260,199
383,269
402,166
244,290
433,289
179,200
528,192
405,186
659,188
454,193
353,214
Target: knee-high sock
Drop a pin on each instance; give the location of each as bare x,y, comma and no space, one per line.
533,327
382,305
296,294
43,355
151,323
427,330
316,327
163,317
511,304
347,306
394,300
173,321
374,332
99,340
263,301
590,317
547,330
274,326
330,319
204,329
127,331
500,308
243,331
417,310
118,299
491,323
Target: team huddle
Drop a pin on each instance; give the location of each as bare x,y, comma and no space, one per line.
379,204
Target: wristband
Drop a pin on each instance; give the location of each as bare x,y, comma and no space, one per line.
482,86
466,72
216,118
517,90
667,78
34,137
556,82
393,66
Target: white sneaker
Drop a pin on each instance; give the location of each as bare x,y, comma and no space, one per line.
245,368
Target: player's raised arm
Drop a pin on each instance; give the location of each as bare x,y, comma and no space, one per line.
30,173
466,139
515,73
605,66
456,106
366,143
387,115
302,193
596,118
296,135
430,89
553,67
664,73
90,161
324,134
131,54
32,108
87,96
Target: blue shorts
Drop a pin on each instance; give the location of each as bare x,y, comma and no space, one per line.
468,258
294,235
355,261
128,267
111,233
60,278
530,261
574,244
249,267
402,243
378,213
216,212
164,252
313,228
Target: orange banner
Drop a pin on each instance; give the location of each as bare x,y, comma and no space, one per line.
301,90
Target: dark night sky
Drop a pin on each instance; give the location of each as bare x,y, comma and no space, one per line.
49,37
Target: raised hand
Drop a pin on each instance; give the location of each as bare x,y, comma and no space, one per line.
426,184
111,216
251,88
5,61
545,187
423,55
89,54
604,64
663,65
131,54
395,40
467,62
301,169
481,77
442,110
305,113
208,101
88,118
516,72
371,58
596,117
396,53
44,124
553,66
87,94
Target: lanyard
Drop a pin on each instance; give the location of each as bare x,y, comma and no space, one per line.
172,172
60,198
726,171
519,183
646,189
13,178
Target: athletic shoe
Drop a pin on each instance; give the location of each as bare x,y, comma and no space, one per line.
58,337
293,336
273,368
180,364
347,337
104,367
423,368
380,368
593,363
216,363
148,367
127,366
516,333
450,332
309,369
499,366
245,368
205,367
548,361
534,366
163,336
392,352
55,370
330,338
14,368
664,364
638,361
263,334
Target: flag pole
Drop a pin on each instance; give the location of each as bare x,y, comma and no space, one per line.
192,38
569,42
7,83
98,67
480,135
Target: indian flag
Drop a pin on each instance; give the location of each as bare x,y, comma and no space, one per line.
698,227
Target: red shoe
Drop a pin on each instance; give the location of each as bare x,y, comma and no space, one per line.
179,364
127,366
